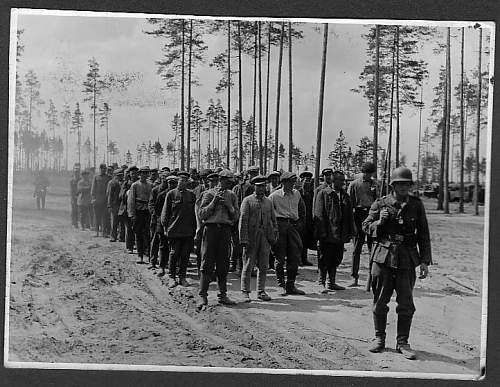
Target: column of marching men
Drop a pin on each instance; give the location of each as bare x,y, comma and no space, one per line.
247,223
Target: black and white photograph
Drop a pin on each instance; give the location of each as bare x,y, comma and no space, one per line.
248,194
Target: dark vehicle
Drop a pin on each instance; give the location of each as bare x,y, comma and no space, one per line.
454,193
431,190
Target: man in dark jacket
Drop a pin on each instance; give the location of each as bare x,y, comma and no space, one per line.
398,224
163,247
307,235
334,227
73,187
113,201
179,223
98,199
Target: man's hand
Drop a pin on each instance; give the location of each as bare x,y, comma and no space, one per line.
424,271
384,215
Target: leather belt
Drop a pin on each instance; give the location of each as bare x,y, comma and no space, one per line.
286,220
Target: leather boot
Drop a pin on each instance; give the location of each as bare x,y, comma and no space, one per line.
280,276
332,273
204,284
290,284
403,333
380,322
322,276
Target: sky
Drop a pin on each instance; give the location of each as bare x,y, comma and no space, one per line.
55,45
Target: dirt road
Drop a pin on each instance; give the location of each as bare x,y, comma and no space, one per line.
78,298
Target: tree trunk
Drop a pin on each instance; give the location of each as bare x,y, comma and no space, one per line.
447,126
320,106
278,95
261,166
462,127
375,108
397,96
387,172
182,95
228,140
478,128
252,137
188,153
266,131
290,106
419,133
93,109
240,98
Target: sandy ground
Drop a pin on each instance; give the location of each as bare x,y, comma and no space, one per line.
78,298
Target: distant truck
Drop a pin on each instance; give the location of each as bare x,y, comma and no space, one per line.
432,191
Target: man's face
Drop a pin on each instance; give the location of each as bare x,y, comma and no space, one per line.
144,176
172,183
307,179
402,188
289,183
133,175
77,174
212,183
260,189
224,182
338,181
103,170
274,180
329,178
182,182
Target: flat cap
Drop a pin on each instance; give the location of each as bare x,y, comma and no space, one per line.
154,170
273,173
326,171
253,169
288,176
205,172
305,173
102,165
213,175
118,172
258,180
183,173
226,173
132,168
144,169
171,178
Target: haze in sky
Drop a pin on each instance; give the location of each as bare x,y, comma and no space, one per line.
57,45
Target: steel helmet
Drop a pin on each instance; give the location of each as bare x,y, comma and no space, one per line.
402,174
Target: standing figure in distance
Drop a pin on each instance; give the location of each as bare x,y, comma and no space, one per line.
363,192
98,194
398,224
83,200
113,200
307,193
73,191
334,227
41,184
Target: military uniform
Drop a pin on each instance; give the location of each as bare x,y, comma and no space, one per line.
308,240
41,184
394,258
73,191
113,201
83,200
98,194
123,217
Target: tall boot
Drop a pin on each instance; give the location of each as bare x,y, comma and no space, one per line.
204,284
403,333
290,283
332,285
280,276
223,298
380,322
322,276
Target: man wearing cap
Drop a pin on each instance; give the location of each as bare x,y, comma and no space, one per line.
219,211
289,209
129,178
113,202
273,179
137,206
73,189
179,222
334,227
398,224
83,199
363,192
164,249
258,231
307,193
98,199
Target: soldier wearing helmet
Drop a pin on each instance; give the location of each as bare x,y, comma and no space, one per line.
398,225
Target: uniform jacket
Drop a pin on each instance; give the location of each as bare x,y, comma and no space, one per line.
398,237
333,216
257,214
98,191
177,215
138,197
73,189
155,214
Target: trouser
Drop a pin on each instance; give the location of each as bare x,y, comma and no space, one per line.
40,200
236,261
215,245
83,211
329,258
180,248
74,213
360,215
155,241
163,249
129,233
100,212
91,216
257,254
384,282
113,212
307,241
197,244
106,223
122,226
289,245
141,229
